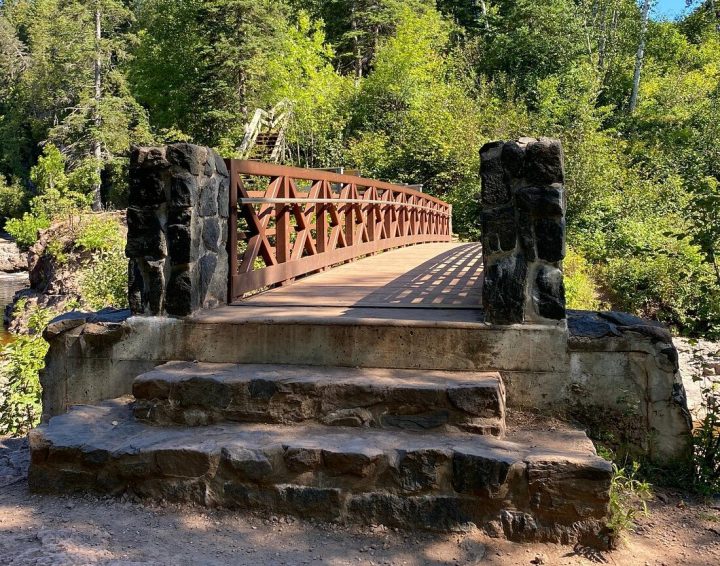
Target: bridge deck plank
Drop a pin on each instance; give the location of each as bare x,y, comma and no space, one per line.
426,285
442,275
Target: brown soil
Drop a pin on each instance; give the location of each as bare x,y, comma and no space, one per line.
45,530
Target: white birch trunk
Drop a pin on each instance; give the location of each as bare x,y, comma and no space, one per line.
97,204
639,57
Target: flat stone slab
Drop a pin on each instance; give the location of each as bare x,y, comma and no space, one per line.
549,487
193,393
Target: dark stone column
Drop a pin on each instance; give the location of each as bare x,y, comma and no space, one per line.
523,230
177,229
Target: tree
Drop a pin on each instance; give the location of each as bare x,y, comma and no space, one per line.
200,64
105,118
301,72
517,45
639,56
414,121
14,60
710,8
72,91
356,27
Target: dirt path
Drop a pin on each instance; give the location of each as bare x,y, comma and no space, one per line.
43,531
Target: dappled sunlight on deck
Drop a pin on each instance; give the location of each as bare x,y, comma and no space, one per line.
427,276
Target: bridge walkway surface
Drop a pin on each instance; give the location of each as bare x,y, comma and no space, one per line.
439,282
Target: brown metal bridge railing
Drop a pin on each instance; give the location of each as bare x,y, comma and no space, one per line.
286,222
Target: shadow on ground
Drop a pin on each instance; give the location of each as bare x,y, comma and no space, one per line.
42,530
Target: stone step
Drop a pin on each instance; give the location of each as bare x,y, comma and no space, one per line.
536,485
192,393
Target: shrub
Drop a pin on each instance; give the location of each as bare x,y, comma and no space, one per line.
65,206
20,391
12,200
580,289
100,234
706,443
104,279
664,278
628,497
25,230
56,248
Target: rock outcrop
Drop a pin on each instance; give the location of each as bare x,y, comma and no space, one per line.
12,260
54,283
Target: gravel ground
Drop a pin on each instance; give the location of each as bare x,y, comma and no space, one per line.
49,530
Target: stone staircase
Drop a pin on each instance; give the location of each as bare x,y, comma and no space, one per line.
405,448
195,394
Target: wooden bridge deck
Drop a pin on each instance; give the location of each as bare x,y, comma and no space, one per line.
426,276
425,283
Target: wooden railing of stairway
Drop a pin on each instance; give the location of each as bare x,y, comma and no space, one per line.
286,222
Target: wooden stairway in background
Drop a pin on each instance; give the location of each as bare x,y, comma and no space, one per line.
264,138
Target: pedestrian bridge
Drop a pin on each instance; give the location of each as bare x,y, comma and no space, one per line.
286,222
312,343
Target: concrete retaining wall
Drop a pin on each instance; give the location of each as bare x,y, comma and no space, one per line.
619,380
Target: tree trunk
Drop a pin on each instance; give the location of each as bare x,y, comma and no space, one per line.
242,95
97,204
603,40
356,48
483,9
714,261
639,57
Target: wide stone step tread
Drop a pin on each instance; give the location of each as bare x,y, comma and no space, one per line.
193,393
550,486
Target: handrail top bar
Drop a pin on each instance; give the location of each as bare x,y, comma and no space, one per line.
267,200
262,169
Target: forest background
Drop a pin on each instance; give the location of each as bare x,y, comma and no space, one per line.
406,91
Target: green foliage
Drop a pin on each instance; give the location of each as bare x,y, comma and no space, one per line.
200,66
100,234
25,230
62,86
61,195
302,74
628,497
116,181
706,442
104,279
56,249
414,120
20,363
12,199
104,276
665,278
519,45
580,289
49,172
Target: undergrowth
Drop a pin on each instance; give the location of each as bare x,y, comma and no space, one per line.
104,279
20,364
631,483
706,443
628,498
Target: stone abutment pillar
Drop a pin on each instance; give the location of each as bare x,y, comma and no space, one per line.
523,231
177,230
